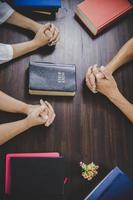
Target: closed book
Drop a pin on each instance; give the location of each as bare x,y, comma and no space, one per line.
42,4
22,155
97,15
52,79
115,186
37,177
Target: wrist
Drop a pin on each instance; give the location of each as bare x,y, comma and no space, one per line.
28,122
114,96
35,27
36,43
26,109
110,69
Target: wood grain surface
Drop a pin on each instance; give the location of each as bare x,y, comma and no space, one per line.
87,127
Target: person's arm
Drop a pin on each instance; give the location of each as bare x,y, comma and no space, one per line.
9,52
27,23
122,103
108,87
9,104
47,34
10,130
23,22
124,55
39,40
9,15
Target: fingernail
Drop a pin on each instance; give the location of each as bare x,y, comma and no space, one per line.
94,91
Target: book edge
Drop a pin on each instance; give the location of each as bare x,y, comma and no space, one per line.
51,93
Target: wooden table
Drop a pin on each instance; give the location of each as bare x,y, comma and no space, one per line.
87,127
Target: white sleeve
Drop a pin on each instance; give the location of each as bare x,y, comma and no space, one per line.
6,53
5,12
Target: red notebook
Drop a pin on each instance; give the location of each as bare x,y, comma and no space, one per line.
98,14
23,155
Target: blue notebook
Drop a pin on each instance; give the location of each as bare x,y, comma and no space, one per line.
115,186
48,4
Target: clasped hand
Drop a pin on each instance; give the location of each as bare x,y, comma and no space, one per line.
40,114
47,34
99,79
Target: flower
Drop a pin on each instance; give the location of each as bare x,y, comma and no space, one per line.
89,170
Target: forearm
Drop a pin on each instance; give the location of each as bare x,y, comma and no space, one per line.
10,130
23,48
123,104
9,104
124,55
24,22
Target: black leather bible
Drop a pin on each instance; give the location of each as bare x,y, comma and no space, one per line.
52,79
37,178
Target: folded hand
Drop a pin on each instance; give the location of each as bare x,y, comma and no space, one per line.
48,34
34,118
49,111
91,76
98,79
48,114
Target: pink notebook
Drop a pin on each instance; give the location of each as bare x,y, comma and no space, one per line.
23,155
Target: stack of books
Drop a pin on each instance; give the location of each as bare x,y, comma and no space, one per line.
34,176
97,15
47,7
115,186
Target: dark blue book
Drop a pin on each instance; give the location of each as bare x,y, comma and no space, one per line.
52,79
115,186
43,4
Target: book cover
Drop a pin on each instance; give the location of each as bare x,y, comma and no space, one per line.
22,155
115,186
52,79
37,177
97,15
48,4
